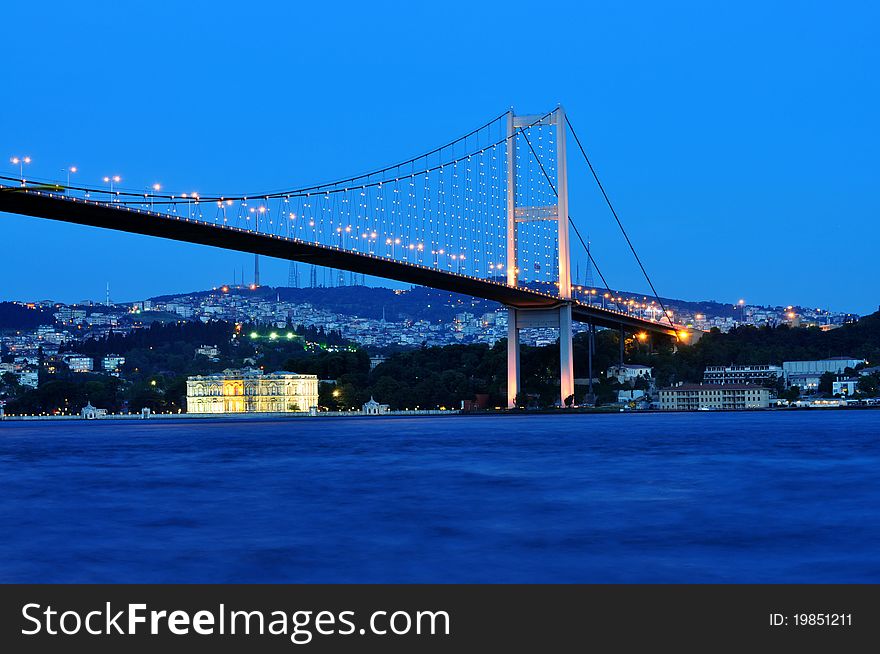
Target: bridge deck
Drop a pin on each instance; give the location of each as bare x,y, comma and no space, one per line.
42,204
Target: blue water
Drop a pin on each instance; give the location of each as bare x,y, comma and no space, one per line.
711,497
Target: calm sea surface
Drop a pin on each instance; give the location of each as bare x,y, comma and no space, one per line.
711,497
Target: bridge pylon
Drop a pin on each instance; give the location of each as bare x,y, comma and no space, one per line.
558,317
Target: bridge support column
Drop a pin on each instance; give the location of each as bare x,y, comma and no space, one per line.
512,358
591,346
566,358
556,318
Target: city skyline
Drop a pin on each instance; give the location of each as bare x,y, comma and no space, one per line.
706,148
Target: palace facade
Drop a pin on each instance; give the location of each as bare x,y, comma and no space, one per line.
251,391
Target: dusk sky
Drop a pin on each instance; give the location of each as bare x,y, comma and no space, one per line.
738,140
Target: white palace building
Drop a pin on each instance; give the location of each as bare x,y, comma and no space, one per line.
251,391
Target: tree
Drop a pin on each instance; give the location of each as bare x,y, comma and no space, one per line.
869,385
826,382
790,394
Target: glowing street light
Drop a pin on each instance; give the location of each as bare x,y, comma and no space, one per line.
20,162
155,188
69,170
111,180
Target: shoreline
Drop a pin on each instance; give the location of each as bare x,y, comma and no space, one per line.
435,413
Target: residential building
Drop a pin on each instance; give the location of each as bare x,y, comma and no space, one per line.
112,363
29,378
210,351
735,374
79,363
629,372
701,397
251,391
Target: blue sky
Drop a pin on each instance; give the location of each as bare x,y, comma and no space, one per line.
738,140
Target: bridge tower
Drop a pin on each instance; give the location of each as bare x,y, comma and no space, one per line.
560,316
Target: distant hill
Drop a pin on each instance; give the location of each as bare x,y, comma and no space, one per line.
421,303
20,316
418,303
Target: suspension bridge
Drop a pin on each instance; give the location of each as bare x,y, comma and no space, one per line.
484,215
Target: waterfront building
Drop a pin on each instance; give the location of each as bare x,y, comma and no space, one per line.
702,397
734,374
89,412
629,372
251,391
373,408
806,374
844,386
633,395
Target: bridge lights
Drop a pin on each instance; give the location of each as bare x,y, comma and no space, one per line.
69,170
155,188
112,179
20,162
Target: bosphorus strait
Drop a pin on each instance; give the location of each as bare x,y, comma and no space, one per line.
718,497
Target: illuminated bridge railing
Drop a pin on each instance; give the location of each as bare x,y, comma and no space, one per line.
445,209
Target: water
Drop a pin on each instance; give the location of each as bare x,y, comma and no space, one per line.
704,497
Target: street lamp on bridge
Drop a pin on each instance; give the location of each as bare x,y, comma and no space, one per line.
69,170
20,162
156,188
111,180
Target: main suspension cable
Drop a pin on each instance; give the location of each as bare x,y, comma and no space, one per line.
617,218
570,221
